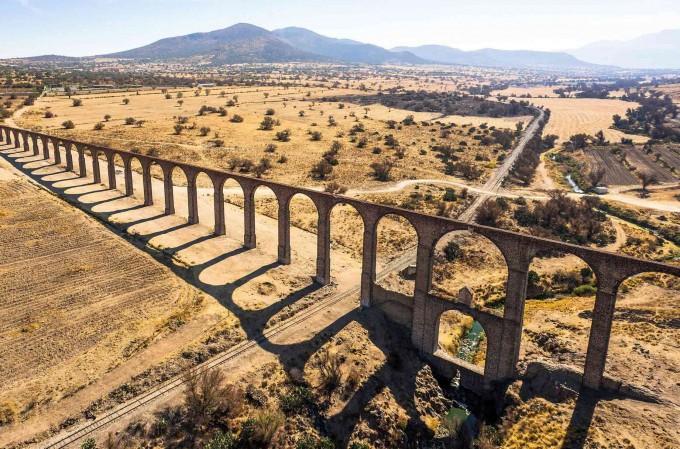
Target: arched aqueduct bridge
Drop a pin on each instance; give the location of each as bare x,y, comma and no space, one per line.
420,313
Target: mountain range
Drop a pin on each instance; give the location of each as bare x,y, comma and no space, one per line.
246,43
650,51
488,57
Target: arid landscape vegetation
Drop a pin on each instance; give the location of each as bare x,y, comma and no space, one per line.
129,325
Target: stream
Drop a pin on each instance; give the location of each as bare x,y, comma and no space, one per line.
469,345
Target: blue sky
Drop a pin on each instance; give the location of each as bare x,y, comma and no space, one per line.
86,27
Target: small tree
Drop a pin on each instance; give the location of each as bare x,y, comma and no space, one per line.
107,117
595,177
126,101
236,119
322,169
283,136
130,121
98,126
203,395
381,170
316,136
204,131
49,114
270,111
77,102
68,124
452,251
178,129
262,167
489,213
647,179
267,124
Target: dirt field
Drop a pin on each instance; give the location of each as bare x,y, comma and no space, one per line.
79,304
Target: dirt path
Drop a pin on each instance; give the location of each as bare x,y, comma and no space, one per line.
542,179
620,236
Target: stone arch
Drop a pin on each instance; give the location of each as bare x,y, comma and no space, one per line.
115,170
200,191
461,338
347,234
302,214
643,330
560,285
471,261
265,208
233,201
178,177
388,250
56,150
92,155
136,168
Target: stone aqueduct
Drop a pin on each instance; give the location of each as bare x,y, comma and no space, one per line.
420,313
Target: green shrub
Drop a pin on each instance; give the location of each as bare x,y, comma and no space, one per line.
452,251
299,399
89,444
310,442
585,290
221,440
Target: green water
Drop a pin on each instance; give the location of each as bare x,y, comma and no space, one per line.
469,345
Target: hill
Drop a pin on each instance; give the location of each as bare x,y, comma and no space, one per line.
489,57
343,49
240,43
651,51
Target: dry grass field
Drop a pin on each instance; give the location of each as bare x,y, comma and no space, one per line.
296,109
534,91
571,116
78,304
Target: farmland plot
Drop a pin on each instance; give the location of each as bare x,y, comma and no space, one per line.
76,301
615,172
644,162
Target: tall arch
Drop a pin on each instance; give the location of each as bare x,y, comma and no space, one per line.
403,238
347,233
560,286
468,263
644,331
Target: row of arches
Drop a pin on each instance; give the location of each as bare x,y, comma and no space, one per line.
497,269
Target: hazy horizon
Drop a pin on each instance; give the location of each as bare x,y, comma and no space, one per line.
84,28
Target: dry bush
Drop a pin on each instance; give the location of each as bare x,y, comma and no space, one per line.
329,368
353,379
381,170
335,188
264,427
8,413
204,395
